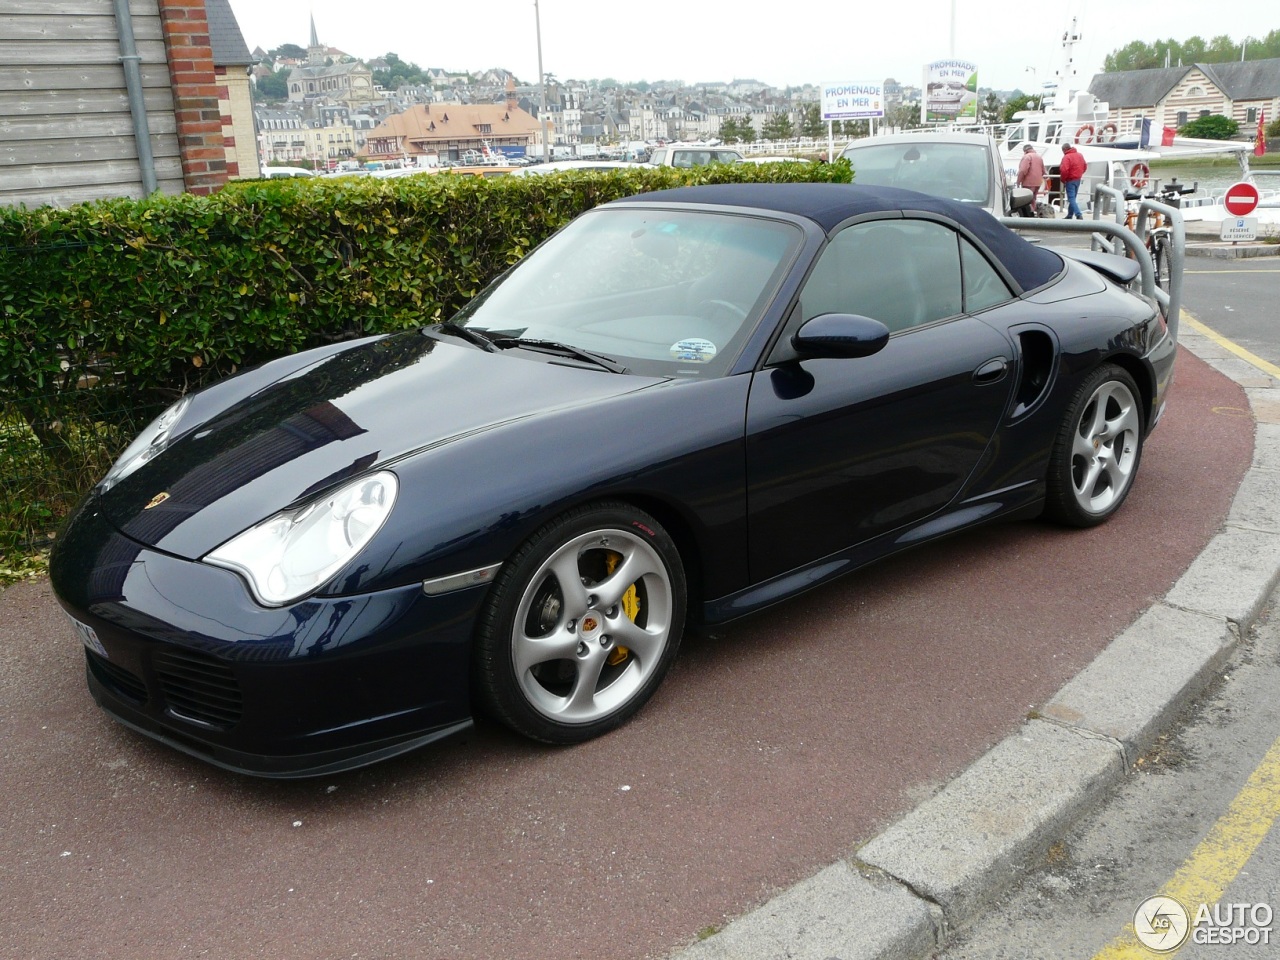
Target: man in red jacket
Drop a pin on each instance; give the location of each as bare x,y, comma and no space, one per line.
1071,172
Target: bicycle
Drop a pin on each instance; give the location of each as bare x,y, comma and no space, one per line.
1159,231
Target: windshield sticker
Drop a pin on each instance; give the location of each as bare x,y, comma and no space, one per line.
693,350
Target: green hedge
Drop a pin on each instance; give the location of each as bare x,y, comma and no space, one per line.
109,310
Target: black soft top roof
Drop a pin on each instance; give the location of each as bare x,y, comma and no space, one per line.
830,204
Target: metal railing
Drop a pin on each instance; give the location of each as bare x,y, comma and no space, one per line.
1112,236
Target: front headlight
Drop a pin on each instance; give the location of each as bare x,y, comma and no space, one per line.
147,444
291,554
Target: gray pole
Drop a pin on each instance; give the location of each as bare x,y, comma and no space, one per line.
542,82
129,59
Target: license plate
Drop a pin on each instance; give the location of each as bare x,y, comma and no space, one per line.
89,637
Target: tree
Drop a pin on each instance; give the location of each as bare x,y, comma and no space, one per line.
1024,101
992,110
1140,55
905,116
777,127
737,130
1213,127
274,87
288,51
398,73
811,122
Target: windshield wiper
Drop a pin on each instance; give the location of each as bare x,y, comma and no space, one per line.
471,336
562,350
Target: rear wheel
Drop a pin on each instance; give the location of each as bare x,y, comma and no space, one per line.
582,624
1161,263
1097,451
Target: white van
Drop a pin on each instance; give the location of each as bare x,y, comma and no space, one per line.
692,155
273,173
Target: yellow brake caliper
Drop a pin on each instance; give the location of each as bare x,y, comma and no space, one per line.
630,606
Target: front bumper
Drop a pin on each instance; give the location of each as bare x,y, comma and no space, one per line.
184,655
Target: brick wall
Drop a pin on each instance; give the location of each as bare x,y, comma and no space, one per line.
195,93
235,104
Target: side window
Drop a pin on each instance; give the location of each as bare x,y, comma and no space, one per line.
983,287
904,273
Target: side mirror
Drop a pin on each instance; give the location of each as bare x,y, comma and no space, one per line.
840,335
1020,197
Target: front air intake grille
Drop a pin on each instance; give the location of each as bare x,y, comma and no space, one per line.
198,687
117,679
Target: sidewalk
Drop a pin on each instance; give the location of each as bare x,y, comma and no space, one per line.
1202,241
899,896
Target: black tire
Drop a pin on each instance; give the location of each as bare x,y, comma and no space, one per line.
565,662
1161,262
1097,450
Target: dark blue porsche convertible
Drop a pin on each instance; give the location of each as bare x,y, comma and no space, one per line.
684,406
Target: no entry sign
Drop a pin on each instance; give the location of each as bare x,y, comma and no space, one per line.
1240,199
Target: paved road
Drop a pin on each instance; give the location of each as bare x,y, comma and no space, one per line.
1236,298
775,746
1193,822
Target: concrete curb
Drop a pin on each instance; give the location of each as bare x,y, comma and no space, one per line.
1229,251
935,869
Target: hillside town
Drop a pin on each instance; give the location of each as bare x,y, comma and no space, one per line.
336,112
205,107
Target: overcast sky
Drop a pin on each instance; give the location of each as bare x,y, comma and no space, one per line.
778,43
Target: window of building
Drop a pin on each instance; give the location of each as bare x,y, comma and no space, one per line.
1182,118
1251,115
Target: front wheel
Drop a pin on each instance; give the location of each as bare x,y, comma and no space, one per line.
1096,453
1161,263
581,625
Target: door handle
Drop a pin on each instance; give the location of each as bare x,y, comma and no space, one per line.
992,371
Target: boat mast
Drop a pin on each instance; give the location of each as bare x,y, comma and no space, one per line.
1066,73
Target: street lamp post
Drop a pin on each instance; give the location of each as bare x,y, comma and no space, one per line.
542,83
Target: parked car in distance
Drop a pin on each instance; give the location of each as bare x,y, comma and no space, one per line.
559,166
779,159
967,167
692,155
273,173
685,405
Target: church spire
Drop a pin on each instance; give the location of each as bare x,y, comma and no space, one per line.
315,52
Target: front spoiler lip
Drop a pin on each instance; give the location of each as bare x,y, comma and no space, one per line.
293,767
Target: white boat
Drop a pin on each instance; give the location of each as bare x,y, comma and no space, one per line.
1115,157
1211,208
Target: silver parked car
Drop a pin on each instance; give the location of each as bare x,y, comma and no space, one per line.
966,167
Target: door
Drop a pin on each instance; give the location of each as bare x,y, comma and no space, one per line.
841,450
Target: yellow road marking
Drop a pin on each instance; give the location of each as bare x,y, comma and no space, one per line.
1221,855
1250,358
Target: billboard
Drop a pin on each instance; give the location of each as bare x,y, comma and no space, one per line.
852,101
950,90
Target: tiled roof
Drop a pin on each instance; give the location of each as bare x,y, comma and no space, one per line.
1239,80
225,38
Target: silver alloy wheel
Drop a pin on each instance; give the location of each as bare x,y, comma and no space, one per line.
1104,452
577,653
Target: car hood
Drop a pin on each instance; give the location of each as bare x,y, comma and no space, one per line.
348,414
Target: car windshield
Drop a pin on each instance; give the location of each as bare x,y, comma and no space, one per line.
953,171
663,292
